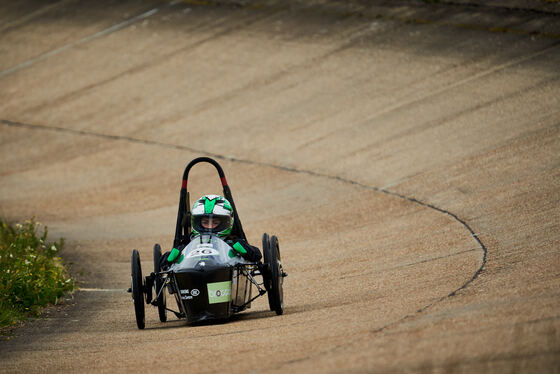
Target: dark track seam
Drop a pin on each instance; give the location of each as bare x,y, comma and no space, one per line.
363,13
284,168
261,4
502,8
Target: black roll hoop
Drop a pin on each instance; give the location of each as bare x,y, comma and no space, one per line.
183,227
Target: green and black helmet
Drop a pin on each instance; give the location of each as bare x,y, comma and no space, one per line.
212,214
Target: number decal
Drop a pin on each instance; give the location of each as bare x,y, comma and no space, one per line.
203,252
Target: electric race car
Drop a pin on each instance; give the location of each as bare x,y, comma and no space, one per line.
207,281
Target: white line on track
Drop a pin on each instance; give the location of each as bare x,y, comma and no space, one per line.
86,39
102,289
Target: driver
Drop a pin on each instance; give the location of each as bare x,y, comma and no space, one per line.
213,214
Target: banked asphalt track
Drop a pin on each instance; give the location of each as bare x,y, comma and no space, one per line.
292,170
377,282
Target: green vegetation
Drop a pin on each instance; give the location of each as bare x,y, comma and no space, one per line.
31,275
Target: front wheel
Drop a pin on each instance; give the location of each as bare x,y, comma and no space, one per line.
138,290
161,300
274,278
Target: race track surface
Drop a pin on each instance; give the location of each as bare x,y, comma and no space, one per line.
405,153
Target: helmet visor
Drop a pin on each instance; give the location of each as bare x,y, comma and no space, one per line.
211,223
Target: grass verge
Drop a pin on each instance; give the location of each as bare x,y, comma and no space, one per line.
31,274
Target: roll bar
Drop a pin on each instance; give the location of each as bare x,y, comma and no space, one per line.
183,228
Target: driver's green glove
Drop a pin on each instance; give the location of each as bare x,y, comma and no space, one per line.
245,250
173,255
238,247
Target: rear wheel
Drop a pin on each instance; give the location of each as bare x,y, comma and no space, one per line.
274,279
161,300
138,290
266,274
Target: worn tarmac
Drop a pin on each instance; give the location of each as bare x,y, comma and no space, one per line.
405,153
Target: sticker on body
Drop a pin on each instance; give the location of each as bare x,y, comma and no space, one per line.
199,252
219,292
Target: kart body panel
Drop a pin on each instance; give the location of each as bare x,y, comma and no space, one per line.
209,283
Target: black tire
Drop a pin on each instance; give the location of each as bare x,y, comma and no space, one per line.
138,290
275,278
266,274
161,301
